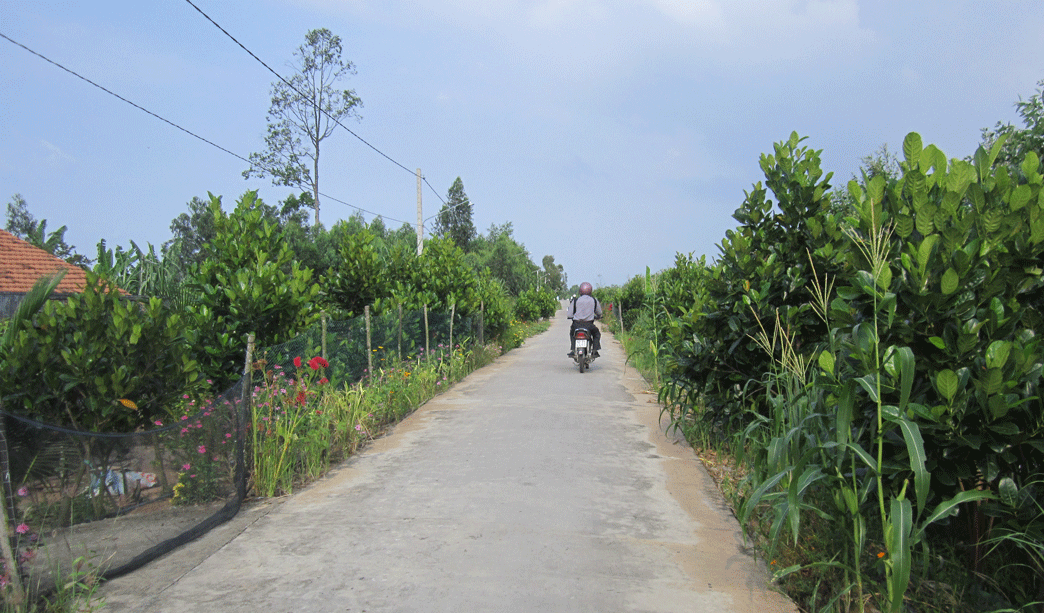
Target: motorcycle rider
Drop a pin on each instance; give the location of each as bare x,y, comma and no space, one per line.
583,310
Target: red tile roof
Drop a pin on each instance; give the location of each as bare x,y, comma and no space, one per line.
21,264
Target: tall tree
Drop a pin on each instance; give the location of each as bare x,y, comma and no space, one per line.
554,275
454,220
309,107
191,231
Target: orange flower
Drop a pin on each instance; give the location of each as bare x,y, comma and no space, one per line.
880,554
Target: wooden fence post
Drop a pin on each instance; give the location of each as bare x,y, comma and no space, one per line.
324,335
369,347
242,415
453,311
427,336
7,509
400,331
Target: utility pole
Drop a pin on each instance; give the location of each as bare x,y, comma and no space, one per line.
420,217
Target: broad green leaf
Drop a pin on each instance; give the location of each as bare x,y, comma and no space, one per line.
904,225
924,222
1008,492
924,252
998,406
1020,197
1005,428
912,149
996,149
976,196
960,177
875,189
826,362
937,341
884,276
917,186
946,381
950,281
997,354
1031,168
992,380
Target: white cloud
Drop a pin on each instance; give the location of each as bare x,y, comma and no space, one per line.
700,14
54,155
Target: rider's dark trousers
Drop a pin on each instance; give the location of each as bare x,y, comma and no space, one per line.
596,334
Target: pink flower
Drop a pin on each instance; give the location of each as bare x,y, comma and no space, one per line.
186,466
297,362
158,422
23,491
358,427
22,528
184,417
228,435
184,430
202,449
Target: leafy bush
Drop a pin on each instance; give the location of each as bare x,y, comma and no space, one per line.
533,304
247,283
880,371
85,355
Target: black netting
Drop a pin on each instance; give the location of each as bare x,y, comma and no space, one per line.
118,501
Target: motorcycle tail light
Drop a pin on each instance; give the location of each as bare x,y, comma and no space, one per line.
581,335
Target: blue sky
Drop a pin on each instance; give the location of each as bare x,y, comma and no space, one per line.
612,134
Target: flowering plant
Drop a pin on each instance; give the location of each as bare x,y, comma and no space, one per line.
286,425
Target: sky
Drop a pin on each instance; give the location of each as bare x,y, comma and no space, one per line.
611,134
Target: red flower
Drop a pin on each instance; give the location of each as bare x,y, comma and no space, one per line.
300,398
317,362
323,380
297,362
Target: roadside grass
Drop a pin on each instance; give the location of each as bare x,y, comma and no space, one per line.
300,428
811,569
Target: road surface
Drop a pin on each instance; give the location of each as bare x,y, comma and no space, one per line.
526,487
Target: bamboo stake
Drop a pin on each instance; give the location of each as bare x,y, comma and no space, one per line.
369,347
17,595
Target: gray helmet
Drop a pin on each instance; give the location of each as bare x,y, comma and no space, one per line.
586,289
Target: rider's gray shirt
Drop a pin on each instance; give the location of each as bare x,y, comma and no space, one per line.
587,308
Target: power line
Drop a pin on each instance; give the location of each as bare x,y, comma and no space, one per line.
111,93
299,93
168,122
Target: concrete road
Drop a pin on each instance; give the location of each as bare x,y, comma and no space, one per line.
526,487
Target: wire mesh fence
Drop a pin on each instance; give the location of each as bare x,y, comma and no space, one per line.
115,501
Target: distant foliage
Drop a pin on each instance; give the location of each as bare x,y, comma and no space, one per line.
534,304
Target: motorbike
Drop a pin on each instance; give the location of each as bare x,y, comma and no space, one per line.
583,354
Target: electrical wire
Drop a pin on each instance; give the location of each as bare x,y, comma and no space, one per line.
302,95
111,93
171,123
